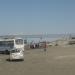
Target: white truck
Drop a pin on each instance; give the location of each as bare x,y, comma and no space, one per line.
16,54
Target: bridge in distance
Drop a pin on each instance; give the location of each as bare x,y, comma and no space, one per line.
38,36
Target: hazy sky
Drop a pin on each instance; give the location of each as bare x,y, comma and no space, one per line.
37,16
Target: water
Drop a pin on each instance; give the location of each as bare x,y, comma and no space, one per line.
36,40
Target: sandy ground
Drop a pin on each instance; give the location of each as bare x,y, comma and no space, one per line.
55,61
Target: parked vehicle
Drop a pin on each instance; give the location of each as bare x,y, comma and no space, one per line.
16,54
6,44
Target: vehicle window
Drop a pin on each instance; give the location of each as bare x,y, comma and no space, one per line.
19,41
14,51
7,43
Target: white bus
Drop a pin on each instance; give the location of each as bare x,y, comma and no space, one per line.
6,44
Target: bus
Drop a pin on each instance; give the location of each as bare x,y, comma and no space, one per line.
8,44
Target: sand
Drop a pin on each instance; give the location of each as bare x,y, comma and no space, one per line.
55,61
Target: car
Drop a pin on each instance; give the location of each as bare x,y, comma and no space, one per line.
16,54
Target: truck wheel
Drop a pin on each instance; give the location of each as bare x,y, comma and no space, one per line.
6,52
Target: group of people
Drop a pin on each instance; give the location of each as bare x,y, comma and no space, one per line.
37,45
33,46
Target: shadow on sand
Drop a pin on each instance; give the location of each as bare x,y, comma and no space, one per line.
4,53
18,60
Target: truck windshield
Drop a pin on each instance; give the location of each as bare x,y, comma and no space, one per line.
19,41
15,51
7,44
